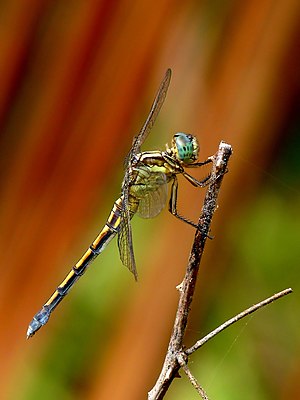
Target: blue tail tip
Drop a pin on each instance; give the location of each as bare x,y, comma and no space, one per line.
38,321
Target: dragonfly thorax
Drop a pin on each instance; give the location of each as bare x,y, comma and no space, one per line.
185,148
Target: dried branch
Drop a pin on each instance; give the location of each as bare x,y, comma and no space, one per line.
176,356
182,356
171,365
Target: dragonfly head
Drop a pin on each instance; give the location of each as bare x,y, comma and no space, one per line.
185,147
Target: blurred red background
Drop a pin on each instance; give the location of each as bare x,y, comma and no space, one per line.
76,83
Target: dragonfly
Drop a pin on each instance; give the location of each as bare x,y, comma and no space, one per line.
144,192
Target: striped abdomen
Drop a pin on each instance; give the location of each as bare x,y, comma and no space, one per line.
105,236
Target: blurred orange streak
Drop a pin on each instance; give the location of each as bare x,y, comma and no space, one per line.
18,20
71,66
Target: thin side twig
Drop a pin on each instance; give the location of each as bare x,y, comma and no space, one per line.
236,318
171,365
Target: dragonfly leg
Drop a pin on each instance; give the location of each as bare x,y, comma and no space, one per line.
173,204
195,182
204,182
200,163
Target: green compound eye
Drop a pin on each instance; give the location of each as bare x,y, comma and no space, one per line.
187,147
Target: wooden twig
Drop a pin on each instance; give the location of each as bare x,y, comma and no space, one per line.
182,356
236,318
187,287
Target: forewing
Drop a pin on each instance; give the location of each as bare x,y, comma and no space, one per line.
155,198
155,109
125,232
125,243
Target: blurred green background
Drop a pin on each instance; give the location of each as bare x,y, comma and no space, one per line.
77,79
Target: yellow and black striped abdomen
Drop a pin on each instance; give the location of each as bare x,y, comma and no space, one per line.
105,236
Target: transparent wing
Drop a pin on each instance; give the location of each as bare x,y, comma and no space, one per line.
125,244
125,233
155,109
156,193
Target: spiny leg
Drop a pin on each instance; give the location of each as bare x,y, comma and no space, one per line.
173,204
195,181
173,198
208,179
200,163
